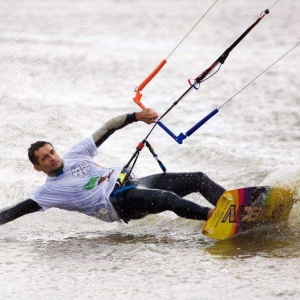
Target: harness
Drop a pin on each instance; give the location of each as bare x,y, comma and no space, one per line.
121,183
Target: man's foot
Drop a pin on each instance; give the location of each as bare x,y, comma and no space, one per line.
210,212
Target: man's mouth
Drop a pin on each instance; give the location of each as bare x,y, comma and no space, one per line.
56,163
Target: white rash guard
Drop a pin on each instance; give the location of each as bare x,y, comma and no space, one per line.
82,185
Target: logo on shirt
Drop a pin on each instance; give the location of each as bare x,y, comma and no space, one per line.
94,181
81,169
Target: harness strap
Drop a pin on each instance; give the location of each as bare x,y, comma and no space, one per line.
119,190
120,185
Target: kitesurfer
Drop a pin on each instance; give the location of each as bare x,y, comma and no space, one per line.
77,183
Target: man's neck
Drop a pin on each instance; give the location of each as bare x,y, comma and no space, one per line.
57,172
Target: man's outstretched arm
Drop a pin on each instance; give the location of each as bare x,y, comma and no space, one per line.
147,115
26,207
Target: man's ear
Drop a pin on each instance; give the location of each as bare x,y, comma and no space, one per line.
37,167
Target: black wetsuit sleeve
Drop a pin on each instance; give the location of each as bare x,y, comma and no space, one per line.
111,126
26,207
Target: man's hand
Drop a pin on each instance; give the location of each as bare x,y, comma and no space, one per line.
147,115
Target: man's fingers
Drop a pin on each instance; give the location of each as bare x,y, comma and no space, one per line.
147,115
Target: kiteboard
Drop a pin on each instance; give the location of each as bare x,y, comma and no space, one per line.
248,208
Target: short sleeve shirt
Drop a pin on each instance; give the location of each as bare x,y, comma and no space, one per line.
82,186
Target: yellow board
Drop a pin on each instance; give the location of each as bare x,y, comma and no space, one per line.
247,208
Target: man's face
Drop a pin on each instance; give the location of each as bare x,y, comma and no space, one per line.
49,161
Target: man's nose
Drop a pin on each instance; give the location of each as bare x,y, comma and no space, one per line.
51,157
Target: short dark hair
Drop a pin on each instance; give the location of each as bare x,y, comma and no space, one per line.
34,147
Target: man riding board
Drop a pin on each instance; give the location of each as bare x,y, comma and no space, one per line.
77,183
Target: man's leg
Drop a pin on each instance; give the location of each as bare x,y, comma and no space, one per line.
183,184
139,202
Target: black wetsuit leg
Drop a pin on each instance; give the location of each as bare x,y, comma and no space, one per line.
26,207
183,184
161,192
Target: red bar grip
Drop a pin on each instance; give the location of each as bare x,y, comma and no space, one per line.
152,74
137,100
138,95
140,146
